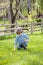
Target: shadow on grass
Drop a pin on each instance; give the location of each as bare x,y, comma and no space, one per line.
27,51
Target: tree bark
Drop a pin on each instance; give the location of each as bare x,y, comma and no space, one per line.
28,6
13,17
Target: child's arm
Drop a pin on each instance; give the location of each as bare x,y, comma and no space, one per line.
14,47
15,44
26,38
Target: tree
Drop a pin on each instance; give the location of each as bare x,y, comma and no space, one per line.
28,5
40,2
12,15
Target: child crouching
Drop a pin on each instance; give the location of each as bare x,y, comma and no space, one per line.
21,40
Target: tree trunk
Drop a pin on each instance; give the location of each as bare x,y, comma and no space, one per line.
28,5
12,16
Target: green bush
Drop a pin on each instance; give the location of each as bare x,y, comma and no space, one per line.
7,37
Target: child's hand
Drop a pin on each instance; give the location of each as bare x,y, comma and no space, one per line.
14,48
26,40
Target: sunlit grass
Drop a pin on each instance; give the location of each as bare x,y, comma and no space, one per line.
4,21
33,56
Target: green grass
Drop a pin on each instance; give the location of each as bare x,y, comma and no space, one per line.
2,21
33,56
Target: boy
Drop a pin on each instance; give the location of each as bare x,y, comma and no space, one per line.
21,40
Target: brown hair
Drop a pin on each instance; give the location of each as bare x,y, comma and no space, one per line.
19,30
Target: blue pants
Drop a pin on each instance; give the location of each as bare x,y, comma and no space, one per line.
22,45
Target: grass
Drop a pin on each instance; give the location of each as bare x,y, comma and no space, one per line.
4,21
33,56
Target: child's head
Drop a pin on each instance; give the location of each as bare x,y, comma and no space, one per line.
19,30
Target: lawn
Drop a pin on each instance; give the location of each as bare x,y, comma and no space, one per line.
33,56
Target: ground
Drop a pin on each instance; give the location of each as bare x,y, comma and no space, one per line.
33,56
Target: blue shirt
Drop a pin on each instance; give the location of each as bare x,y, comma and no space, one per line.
21,39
